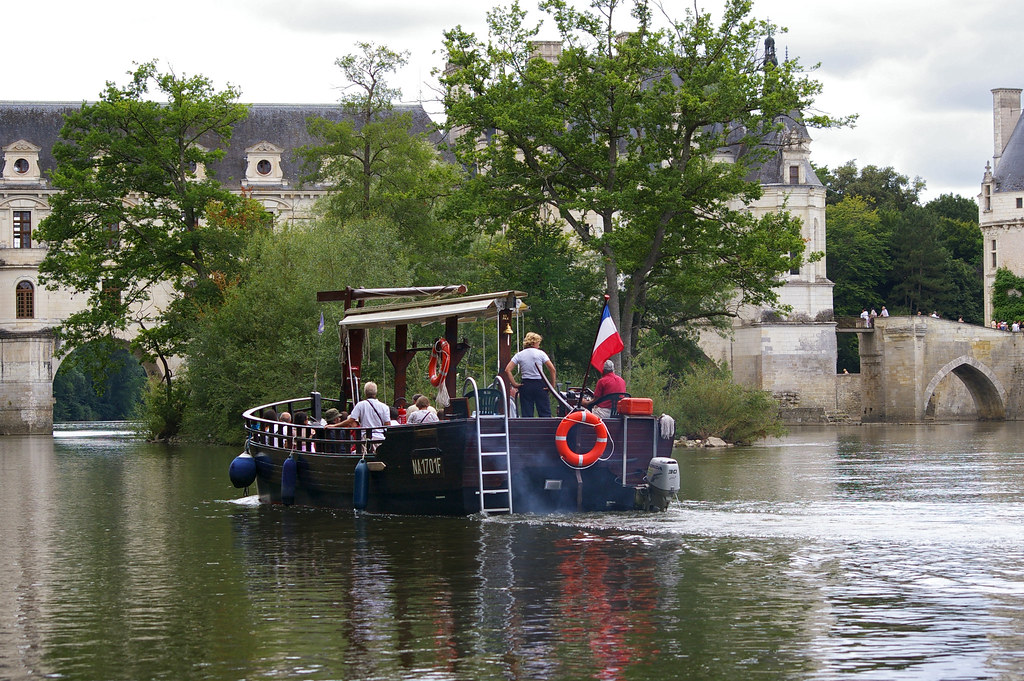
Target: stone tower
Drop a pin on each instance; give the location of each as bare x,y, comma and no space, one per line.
1001,202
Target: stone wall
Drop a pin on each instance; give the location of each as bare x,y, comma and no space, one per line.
26,405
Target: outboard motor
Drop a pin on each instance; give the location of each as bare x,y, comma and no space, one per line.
662,482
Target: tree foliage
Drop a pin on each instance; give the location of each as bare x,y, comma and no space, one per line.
262,344
129,216
883,188
617,139
1007,296
100,381
374,164
884,248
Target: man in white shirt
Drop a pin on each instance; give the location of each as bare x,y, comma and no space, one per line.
369,413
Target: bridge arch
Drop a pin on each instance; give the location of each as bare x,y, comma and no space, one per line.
988,393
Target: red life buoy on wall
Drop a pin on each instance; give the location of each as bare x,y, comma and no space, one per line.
441,353
587,458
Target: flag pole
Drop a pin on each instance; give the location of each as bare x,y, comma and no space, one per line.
586,374
316,361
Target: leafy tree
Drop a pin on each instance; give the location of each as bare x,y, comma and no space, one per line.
128,218
883,188
373,164
617,139
858,255
262,344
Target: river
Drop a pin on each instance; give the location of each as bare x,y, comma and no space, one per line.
871,552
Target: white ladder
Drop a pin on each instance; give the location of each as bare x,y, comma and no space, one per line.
494,463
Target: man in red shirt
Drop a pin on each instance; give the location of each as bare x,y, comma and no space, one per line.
609,383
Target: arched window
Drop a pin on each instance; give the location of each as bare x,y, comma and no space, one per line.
24,300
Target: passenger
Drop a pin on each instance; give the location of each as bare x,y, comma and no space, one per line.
412,408
369,413
423,413
609,383
269,415
394,416
284,418
303,433
332,432
532,390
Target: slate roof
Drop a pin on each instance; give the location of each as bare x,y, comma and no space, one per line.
1009,173
773,170
280,124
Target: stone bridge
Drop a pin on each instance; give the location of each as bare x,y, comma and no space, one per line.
914,369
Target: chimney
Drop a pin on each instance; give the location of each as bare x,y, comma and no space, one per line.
1005,112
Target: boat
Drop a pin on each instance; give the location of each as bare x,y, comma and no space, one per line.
477,458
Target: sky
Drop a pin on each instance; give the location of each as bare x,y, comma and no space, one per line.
918,73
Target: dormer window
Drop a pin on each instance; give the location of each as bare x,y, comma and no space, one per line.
794,174
263,164
21,162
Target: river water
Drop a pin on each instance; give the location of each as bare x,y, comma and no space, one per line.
865,552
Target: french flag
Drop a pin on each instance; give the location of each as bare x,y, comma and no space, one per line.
608,342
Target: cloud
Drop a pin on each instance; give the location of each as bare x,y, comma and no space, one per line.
394,17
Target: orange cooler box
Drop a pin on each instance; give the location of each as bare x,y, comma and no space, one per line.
636,406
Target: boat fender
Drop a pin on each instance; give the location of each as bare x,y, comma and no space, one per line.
440,354
242,470
289,476
574,459
361,486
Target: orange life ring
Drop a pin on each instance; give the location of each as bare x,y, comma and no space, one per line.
440,351
587,458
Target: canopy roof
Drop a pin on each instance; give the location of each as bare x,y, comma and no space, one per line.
466,309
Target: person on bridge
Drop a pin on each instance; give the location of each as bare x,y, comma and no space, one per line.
884,313
609,383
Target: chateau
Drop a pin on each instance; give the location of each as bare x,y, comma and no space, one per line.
259,162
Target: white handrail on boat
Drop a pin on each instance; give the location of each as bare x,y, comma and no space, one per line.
504,453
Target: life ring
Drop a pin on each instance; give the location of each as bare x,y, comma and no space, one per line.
441,351
575,459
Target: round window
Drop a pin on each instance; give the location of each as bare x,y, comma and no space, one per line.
263,167
21,166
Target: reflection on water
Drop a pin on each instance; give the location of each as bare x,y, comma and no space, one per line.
869,552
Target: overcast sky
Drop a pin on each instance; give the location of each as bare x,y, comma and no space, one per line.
918,72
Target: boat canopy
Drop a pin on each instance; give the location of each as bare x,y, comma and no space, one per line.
465,309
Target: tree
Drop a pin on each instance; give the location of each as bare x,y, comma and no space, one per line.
858,255
374,164
920,264
262,344
617,139
129,217
883,188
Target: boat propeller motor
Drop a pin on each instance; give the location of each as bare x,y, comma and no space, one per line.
662,483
